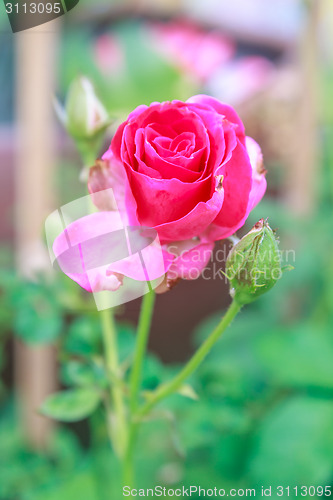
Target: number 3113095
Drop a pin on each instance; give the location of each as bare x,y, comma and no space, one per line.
34,8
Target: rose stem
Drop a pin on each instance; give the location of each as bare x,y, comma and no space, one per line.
118,427
170,387
146,314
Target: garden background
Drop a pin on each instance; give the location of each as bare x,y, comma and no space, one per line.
265,394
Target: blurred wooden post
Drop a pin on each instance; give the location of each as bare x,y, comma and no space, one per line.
34,170
301,178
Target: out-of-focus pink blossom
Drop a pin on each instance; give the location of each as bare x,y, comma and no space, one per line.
192,49
239,80
109,55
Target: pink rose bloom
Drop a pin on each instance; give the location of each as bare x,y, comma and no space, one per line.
185,169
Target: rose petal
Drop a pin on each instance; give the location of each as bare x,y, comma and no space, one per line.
259,183
95,251
237,180
193,223
190,260
106,184
258,187
159,167
222,109
175,167
152,263
80,247
114,176
214,127
161,201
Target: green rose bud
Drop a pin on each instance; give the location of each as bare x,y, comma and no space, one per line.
254,264
84,118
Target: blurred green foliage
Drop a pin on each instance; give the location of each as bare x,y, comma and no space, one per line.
143,77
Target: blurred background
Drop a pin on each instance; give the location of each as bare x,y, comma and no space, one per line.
265,409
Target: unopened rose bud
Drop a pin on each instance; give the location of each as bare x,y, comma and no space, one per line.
254,264
84,118
85,114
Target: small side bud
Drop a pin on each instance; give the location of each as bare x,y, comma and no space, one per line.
84,118
253,265
85,114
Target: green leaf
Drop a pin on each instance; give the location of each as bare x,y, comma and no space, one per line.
84,336
72,405
83,374
153,373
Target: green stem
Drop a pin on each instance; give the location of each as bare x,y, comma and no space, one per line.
128,474
145,319
117,417
146,314
169,388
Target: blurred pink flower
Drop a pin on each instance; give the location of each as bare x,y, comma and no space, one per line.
109,55
239,80
192,49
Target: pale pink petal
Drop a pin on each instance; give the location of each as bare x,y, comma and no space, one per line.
259,183
96,251
190,259
88,243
